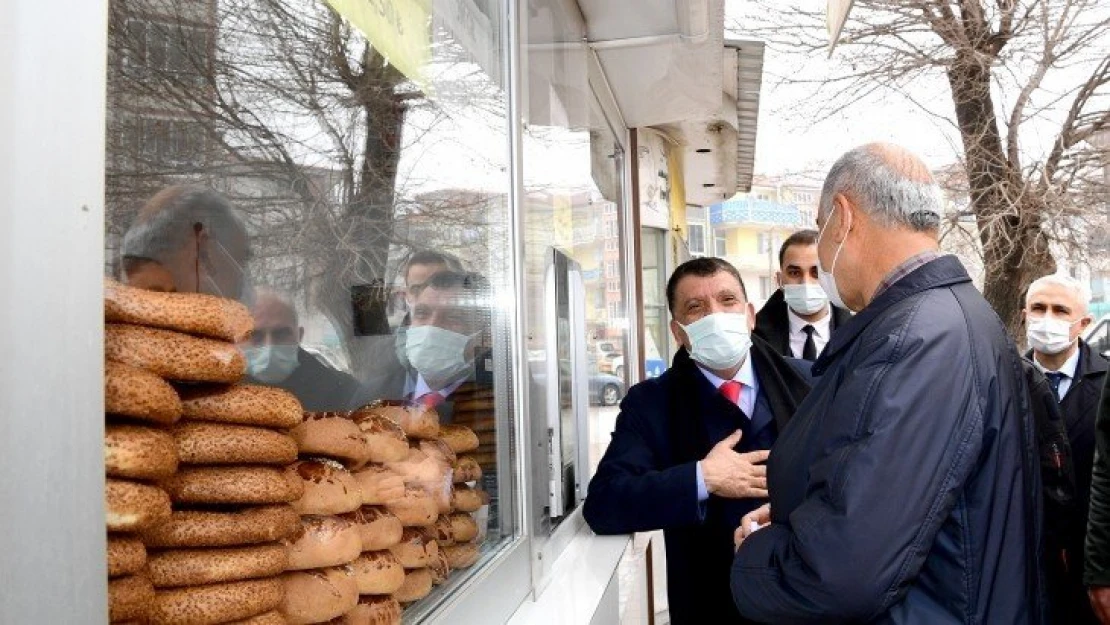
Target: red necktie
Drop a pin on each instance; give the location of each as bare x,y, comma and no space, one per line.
731,390
431,400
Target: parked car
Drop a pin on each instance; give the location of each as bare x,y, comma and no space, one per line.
604,389
1097,336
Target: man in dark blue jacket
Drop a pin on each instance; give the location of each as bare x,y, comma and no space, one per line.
906,488
688,450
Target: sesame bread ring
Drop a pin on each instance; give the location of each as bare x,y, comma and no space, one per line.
467,499
234,485
417,549
225,528
379,485
129,598
173,355
378,528
463,527
273,617
444,532
459,438
137,452
131,507
318,596
243,404
215,603
329,488
126,555
416,420
378,573
374,610
132,392
461,556
417,585
195,567
334,435
323,541
440,568
192,313
198,442
386,438
466,469
416,509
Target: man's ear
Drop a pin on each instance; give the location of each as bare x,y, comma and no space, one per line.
778,279
846,215
751,316
679,334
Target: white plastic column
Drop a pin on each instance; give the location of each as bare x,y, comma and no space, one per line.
52,564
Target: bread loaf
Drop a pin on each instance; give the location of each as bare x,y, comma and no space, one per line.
172,355
242,404
215,603
323,541
328,488
192,313
417,585
378,528
137,452
378,573
318,596
132,392
334,435
198,442
225,527
195,567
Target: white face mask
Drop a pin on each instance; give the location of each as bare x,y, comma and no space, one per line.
439,355
719,341
805,299
271,364
826,278
1048,335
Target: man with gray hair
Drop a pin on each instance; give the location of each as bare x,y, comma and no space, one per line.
1056,313
906,488
186,239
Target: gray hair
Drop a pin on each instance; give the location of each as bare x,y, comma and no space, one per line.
1077,288
166,222
892,198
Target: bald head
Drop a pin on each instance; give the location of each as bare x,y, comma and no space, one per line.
275,319
888,183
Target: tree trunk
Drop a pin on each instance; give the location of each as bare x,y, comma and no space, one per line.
1015,249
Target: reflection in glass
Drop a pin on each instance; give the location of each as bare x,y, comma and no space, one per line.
267,151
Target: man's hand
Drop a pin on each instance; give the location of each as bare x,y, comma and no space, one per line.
751,522
732,475
1100,601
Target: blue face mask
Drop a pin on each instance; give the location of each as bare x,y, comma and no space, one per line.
271,364
719,341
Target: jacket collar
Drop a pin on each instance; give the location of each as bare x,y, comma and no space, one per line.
1091,363
942,272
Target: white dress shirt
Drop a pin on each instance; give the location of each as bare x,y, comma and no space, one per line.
1068,369
749,389
822,330
421,389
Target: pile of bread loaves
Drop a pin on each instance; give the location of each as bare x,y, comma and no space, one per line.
227,504
381,518
179,429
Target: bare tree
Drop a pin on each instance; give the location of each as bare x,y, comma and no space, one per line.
1027,81
298,118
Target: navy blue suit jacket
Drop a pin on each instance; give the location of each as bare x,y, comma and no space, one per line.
647,478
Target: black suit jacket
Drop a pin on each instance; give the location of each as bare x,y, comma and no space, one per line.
1078,407
773,325
647,478
317,386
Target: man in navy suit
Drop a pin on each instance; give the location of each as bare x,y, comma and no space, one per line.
688,450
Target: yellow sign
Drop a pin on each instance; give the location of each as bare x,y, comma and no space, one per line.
399,29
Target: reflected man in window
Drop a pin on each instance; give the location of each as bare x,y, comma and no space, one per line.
276,358
688,450
187,239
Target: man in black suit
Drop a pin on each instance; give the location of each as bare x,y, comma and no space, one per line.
798,319
1056,313
688,449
